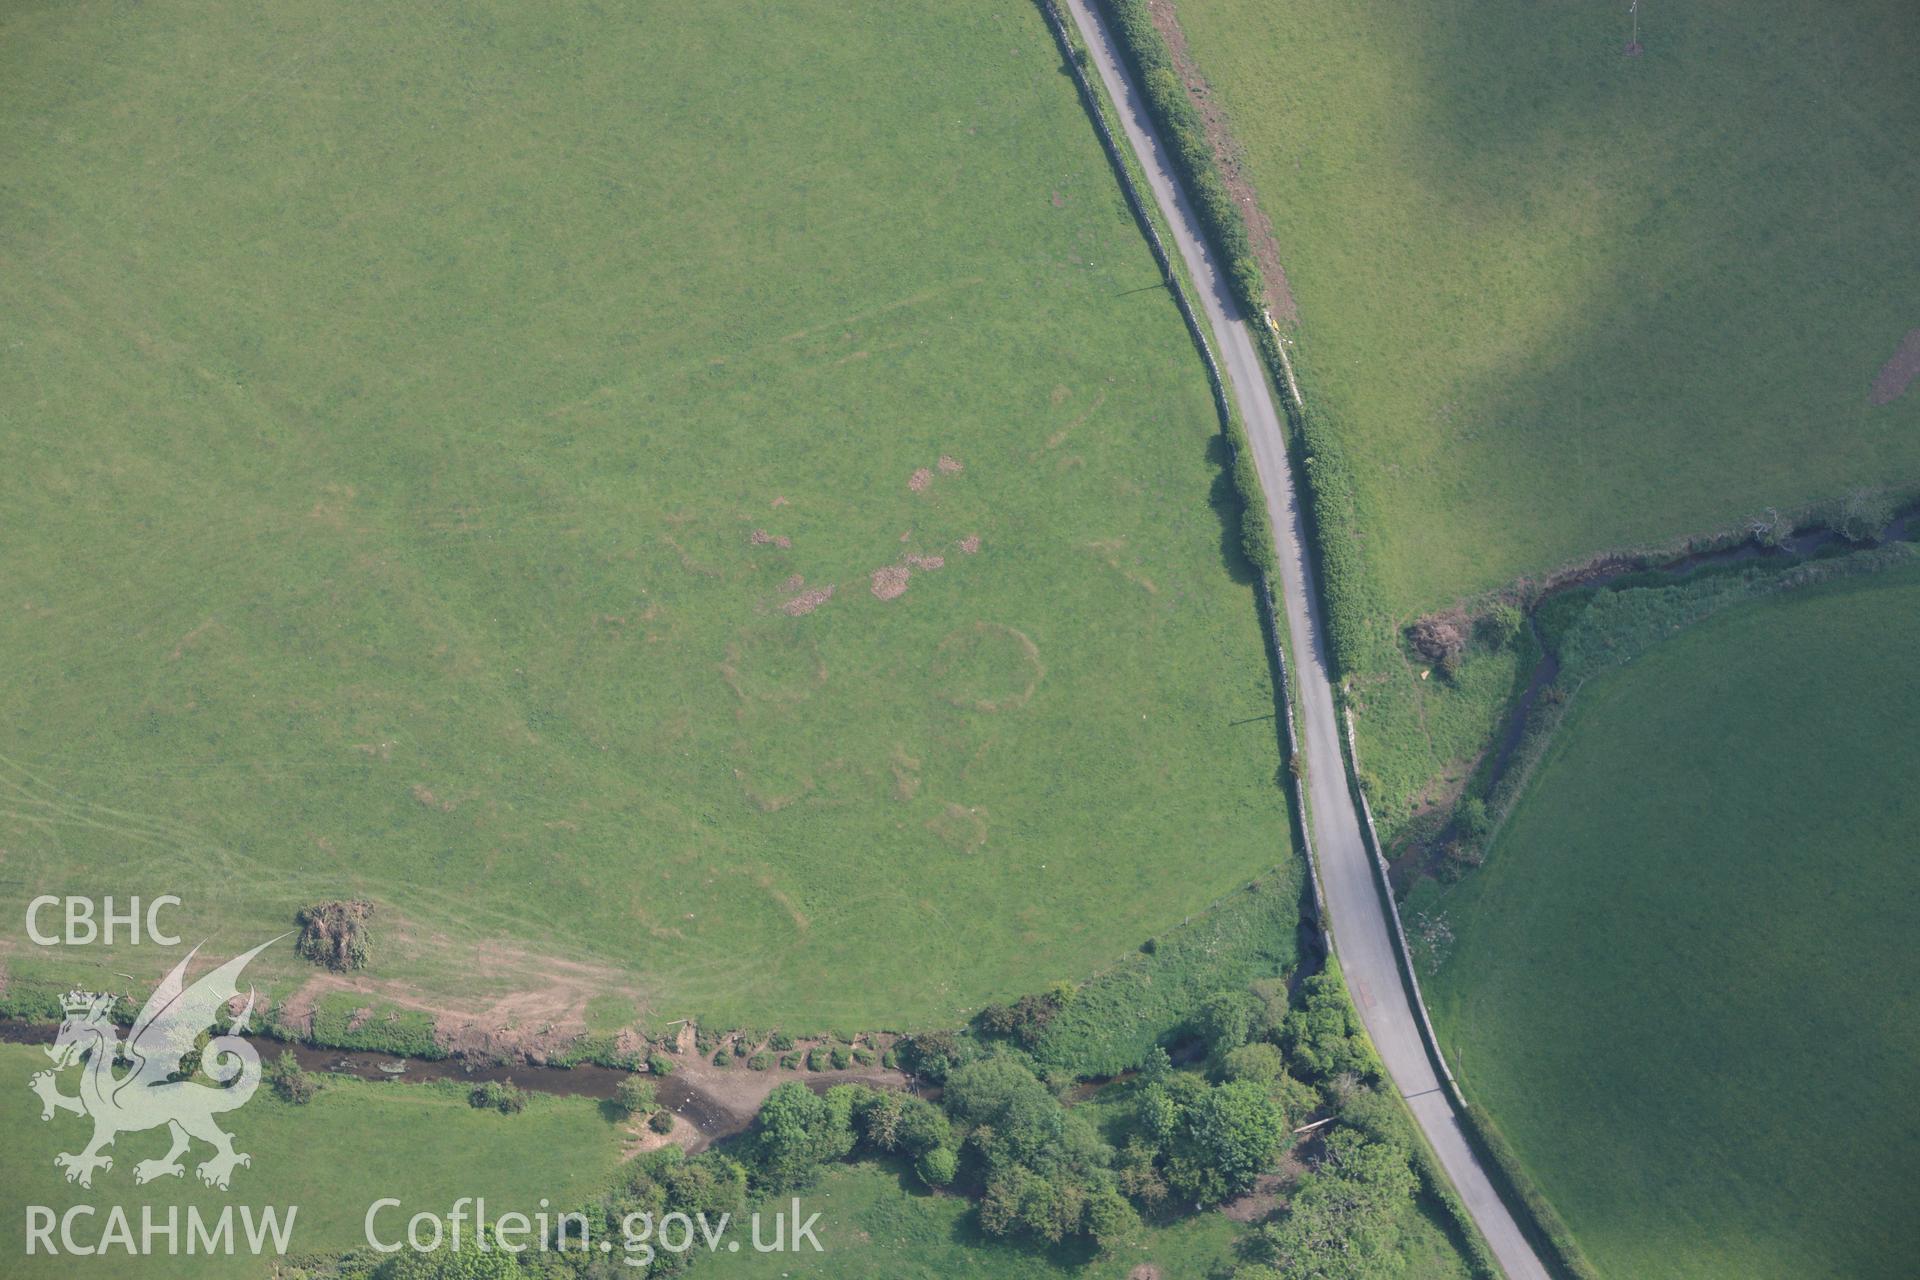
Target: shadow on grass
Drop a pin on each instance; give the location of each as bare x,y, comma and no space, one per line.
1224,498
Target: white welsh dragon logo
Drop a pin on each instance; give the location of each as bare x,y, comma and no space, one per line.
155,1090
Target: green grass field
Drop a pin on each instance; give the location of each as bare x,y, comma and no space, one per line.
1557,301
1684,984
425,429
1560,300
355,1143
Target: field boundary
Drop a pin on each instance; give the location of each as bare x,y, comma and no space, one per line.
1478,1125
1537,1216
1256,375
1256,532
1353,626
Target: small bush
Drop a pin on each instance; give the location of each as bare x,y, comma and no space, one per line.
722,1058
1436,639
865,1057
890,1060
336,934
659,1063
818,1058
1861,515
791,1061
1470,817
291,1081
1499,625
498,1095
759,1062
636,1095
1458,857
661,1121
780,1042
936,1167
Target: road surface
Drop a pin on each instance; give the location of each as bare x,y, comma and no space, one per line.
1362,935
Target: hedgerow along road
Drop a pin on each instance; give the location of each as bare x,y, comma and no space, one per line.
1357,911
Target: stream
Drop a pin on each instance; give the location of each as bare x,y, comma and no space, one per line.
711,1117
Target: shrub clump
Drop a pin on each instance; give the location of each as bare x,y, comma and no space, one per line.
290,1081
1436,639
503,1096
336,934
636,1095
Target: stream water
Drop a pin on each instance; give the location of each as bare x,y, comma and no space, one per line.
712,1118
1547,670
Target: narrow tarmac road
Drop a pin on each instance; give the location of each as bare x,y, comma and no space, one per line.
1361,932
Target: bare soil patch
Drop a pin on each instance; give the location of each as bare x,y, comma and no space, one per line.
891,582
920,479
538,1009
970,544
1259,1202
761,538
1226,154
806,602
950,465
1899,371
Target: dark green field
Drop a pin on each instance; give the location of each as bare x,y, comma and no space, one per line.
427,432
1685,984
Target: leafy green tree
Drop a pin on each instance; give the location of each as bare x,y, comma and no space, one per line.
1344,1219
636,1095
467,1262
1044,1164
1225,1021
1229,1137
1271,999
797,1131
1110,1220
937,1166
1259,1063
933,1053
1323,1037
291,1082
1155,1066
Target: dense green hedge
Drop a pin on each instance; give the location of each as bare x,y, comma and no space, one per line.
1356,634
1256,530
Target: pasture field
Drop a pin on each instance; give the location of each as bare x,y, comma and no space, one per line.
1555,301
472,460
1684,984
355,1143
1560,300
